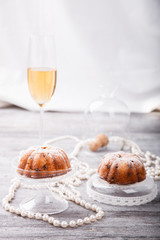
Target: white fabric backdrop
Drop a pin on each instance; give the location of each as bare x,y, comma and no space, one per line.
99,42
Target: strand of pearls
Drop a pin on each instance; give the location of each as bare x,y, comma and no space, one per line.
152,165
83,172
71,195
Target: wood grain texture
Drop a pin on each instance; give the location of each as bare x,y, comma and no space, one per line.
19,130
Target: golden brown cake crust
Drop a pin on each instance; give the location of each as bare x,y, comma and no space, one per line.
122,168
42,162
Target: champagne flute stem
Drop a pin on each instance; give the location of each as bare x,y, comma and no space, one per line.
41,130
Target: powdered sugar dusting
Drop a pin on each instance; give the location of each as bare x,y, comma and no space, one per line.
122,156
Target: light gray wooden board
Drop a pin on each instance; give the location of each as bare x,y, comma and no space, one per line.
19,130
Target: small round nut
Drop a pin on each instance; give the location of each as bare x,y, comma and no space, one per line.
93,146
100,141
103,139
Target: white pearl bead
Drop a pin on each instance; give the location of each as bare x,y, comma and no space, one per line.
98,209
56,223
15,186
45,217
77,200
98,216
82,203
156,162
72,198
18,184
30,214
12,209
63,190
77,183
10,197
61,194
86,220
18,211
87,205
92,218
72,223
23,213
7,207
11,192
50,220
148,153
64,224
156,177
38,216
82,177
94,207
80,222
101,212
67,192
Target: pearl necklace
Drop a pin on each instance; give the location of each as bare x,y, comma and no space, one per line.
64,192
66,188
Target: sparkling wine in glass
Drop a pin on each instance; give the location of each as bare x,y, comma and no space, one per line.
42,71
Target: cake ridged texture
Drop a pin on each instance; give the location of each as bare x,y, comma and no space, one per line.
42,162
122,168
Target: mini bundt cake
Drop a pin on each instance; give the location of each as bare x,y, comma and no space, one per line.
122,168
43,162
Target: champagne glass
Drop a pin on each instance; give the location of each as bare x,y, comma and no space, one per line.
42,71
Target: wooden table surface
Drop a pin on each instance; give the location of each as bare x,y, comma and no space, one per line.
19,130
